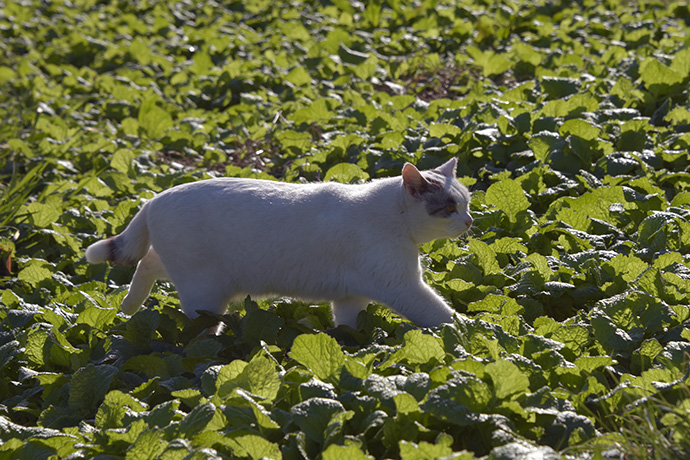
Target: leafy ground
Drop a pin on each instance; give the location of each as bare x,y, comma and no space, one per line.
572,125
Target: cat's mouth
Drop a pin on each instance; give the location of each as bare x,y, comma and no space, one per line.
463,231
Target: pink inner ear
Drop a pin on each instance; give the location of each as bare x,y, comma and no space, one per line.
413,180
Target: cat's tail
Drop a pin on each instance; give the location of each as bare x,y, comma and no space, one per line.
127,248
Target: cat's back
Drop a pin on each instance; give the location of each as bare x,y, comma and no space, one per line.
271,226
225,187
257,201
230,191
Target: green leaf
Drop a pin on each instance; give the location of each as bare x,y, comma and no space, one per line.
97,317
629,267
469,391
508,245
127,436
496,304
441,130
611,337
316,112
508,196
346,173
314,415
89,385
35,347
236,403
541,266
425,450
115,406
418,348
259,377
321,354
543,143
580,128
372,13
486,256
654,231
405,403
260,325
351,56
7,74
163,414
154,120
149,445
459,400
681,62
685,333
148,365
575,338
197,420
490,62
645,355
130,126
589,364
559,87
347,452
254,446
508,379
42,215
202,63
35,272
345,6
298,76
139,329
496,64
122,160
657,77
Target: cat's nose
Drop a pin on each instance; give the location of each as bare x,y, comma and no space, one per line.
468,221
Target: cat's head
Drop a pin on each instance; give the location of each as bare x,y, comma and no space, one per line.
438,203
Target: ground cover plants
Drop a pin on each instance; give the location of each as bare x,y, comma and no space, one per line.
571,122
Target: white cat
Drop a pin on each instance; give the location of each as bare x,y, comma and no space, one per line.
218,240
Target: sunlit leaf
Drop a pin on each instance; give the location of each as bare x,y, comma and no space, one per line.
320,353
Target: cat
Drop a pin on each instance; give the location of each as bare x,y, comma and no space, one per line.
221,239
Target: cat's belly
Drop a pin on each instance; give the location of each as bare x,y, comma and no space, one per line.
310,285
305,274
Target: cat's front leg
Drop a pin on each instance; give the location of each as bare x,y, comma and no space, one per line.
422,305
347,309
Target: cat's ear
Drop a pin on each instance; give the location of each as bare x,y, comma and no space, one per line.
414,182
448,168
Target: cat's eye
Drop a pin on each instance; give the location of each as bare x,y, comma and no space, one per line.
451,208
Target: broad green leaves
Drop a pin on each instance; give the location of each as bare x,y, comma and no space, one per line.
580,128
345,172
508,196
570,125
657,77
319,353
258,377
153,119
89,385
419,349
507,379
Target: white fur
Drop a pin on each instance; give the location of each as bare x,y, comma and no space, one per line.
221,239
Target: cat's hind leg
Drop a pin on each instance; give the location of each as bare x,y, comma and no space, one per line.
149,270
202,293
346,310
197,294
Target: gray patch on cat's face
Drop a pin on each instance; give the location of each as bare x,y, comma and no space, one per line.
444,192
